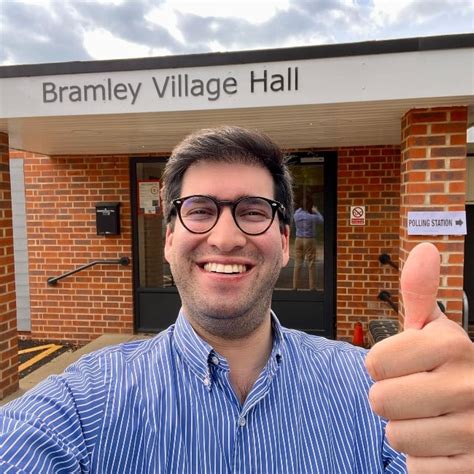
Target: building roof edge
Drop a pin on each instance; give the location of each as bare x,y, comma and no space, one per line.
403,45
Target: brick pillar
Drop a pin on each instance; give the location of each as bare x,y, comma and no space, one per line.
8,333
433,178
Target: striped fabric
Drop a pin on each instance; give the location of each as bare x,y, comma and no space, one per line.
166,405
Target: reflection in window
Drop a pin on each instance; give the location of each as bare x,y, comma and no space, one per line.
305,270
154,271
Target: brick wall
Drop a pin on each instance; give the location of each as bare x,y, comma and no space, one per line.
370,177
8,334
434,179
61,193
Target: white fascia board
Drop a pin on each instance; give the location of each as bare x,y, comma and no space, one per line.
379,77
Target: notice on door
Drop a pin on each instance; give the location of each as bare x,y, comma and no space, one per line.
149,197
437,223
357,215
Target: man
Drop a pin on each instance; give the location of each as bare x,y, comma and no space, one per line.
306,220
227,389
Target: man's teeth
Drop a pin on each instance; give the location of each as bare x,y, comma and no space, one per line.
221,268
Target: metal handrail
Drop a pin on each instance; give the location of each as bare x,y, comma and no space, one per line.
124,261
385,259
386,297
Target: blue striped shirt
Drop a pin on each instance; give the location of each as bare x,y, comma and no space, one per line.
166,405
305,223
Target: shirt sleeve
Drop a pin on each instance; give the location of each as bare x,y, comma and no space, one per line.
52,428
316,217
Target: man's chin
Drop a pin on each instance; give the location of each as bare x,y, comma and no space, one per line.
231,328
224,313
228,321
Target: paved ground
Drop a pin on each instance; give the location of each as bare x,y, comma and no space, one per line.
58,364
33,354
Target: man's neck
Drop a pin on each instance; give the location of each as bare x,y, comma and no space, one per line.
246,356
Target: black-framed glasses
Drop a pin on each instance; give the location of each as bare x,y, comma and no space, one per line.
253,215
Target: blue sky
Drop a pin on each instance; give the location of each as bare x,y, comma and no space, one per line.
43,31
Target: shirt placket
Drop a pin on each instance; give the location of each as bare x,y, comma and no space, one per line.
244,421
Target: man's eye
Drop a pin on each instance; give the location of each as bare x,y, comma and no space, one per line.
199,212
253,214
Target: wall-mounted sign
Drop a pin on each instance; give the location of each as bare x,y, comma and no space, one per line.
149,196
437,223
290,82
357,215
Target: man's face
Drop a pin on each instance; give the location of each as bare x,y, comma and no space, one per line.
229,305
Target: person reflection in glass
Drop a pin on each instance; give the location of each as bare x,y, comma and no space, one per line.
306,217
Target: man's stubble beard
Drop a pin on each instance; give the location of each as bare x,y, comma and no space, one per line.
231,323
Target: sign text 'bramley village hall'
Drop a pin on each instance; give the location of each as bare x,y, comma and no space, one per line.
180,85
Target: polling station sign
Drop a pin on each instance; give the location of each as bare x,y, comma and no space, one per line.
437,223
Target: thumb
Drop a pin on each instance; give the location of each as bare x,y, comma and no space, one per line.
419,286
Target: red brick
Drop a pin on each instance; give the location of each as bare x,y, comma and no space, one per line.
426,140
457,187
446,128
427,116
455,151
415,153
458,139
459,115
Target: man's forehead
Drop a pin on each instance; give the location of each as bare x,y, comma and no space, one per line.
237,179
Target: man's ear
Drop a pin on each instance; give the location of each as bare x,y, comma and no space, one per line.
168,242
285,244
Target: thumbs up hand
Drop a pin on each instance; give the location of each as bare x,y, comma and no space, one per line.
424,377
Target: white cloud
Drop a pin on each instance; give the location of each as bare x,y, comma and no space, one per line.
250,10
388,12
35,31
101,44
165,15
215,46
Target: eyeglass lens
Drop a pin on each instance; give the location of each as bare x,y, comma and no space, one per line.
252,215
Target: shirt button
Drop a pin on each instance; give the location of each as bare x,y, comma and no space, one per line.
215,360
242,421
206,381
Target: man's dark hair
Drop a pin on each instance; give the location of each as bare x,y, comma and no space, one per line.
228,144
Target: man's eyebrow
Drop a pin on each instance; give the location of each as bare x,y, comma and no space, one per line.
240,196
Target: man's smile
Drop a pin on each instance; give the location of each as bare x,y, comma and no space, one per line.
224,268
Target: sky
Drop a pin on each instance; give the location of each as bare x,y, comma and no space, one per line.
46,31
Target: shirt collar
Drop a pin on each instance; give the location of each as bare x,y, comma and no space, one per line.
200,356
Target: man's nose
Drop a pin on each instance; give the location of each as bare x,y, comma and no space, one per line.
225,235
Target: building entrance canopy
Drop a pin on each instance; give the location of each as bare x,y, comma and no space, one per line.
331,95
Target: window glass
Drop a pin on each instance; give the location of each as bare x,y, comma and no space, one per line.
305,270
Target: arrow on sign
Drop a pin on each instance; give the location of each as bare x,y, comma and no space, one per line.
459,222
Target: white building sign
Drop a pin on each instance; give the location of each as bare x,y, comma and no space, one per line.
437,223
245,85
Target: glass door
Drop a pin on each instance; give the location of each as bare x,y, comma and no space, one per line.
156,299
304,295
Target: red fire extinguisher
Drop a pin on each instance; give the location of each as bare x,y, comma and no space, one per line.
358,336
